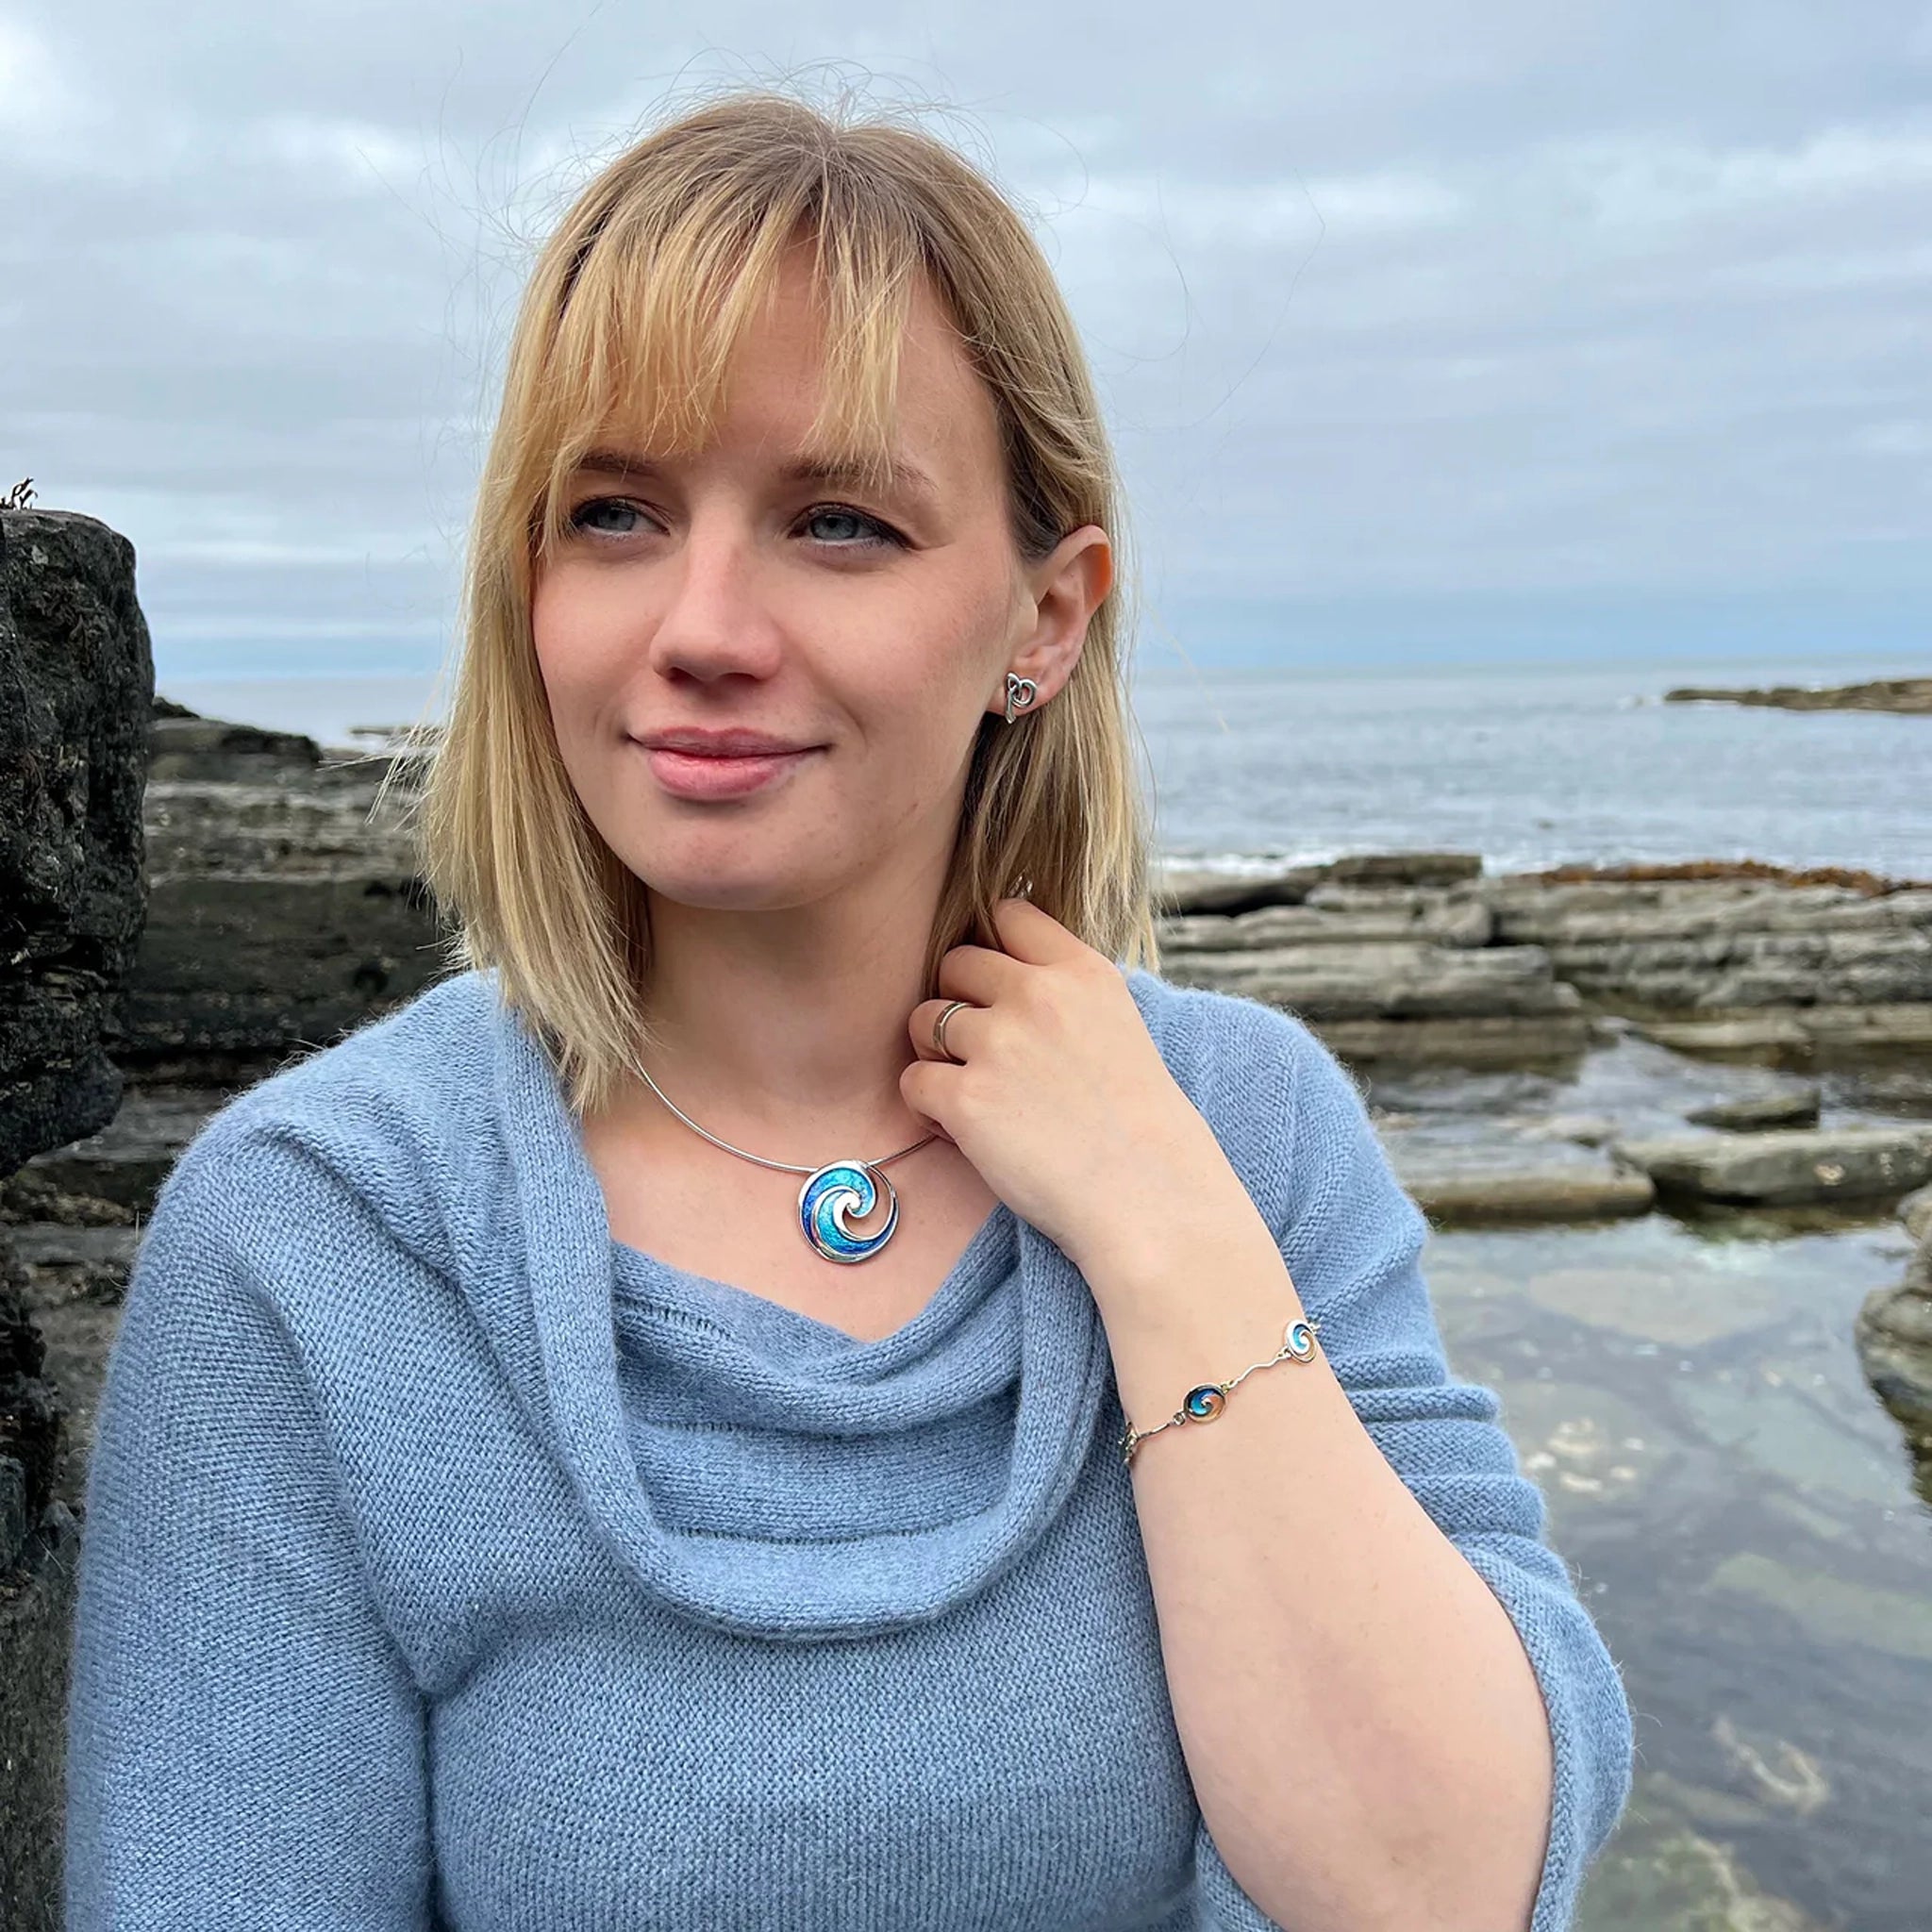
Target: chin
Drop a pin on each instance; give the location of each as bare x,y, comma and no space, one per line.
716,889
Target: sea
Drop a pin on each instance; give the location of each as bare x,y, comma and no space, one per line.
1528,765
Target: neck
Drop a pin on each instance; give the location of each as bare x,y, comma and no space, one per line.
785,1032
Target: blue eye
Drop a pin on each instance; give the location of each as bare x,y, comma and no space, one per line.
583,510
881,533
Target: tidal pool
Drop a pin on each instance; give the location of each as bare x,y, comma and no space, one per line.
1740,1515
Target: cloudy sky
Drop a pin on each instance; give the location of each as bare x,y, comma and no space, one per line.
1429,331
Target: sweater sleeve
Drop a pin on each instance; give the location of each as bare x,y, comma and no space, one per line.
244,1743
1353,1239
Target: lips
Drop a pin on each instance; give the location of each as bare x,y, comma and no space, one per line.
709,775
739,741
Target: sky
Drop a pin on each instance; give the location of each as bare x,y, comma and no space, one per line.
1427,331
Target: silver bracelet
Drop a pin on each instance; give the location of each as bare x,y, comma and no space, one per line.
1203,1404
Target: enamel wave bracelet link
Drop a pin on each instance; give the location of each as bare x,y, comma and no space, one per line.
1203,1404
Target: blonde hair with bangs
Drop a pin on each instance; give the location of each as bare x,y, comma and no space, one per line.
629,320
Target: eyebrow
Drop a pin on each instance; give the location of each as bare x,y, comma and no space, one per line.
901,474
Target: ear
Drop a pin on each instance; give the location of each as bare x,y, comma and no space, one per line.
1067,588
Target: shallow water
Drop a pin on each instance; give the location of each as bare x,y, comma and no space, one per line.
1740,1513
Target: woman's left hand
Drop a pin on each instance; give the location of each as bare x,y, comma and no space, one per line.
1061,1099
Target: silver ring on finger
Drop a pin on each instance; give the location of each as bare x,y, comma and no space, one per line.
939,1032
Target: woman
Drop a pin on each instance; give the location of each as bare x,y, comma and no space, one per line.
696,1420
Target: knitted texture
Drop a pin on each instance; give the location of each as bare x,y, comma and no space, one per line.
449,1564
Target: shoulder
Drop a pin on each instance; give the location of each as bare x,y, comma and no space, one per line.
1229,1049
382,1114
1291,1116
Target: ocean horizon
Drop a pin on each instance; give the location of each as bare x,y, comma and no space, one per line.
1528,766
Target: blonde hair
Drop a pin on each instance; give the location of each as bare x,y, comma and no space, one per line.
630,316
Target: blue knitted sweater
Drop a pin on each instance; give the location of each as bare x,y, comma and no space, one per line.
449,1564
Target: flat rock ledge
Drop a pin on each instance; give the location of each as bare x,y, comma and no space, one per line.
1899,694
1786,1167
1795,1105
1500,1187
1420,959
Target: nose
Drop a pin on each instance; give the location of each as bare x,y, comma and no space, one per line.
714,620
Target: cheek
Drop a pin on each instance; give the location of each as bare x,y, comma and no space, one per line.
928,720
944,683
571,647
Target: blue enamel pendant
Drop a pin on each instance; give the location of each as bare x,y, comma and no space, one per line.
1299,1341
840,1192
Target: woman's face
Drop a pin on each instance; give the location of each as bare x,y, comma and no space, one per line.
871,627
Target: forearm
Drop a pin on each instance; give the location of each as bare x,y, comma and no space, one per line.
1363,1727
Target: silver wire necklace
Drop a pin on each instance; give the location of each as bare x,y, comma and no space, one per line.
841,1192
832,1197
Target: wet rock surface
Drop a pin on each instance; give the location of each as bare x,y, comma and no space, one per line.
110,1178
1517,1177
1915,1211
1893,1335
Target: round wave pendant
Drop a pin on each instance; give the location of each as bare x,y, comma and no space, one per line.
1203,1404
836,1195
1300,1341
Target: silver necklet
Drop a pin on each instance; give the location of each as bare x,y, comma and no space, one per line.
833,1195
845,1190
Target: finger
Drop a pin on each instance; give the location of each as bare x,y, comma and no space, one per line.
1035,935
924,1016
913,1089
978,973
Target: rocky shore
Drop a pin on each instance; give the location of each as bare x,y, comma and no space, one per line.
1901,694
283,908
206,900
1563,1047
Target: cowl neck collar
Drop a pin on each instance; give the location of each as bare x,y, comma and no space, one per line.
759,1494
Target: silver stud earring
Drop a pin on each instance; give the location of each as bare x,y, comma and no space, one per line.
1020,693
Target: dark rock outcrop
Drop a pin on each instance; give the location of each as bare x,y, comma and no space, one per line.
186,746
75,666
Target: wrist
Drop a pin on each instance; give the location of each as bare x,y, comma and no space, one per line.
1160,1252
1195,1322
